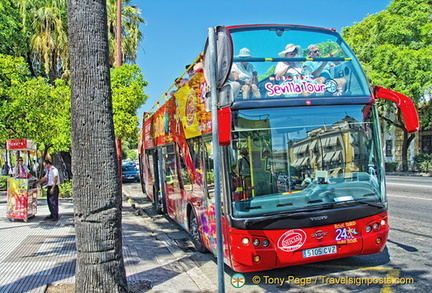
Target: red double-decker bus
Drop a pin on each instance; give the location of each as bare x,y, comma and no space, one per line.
301,164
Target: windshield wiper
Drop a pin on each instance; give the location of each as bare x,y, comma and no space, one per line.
372,204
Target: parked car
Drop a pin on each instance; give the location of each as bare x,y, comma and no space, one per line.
129,173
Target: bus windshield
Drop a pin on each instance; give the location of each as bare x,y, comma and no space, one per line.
305,158
291,61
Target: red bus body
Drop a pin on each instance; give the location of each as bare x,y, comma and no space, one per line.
267,222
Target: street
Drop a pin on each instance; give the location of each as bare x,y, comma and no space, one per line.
404,265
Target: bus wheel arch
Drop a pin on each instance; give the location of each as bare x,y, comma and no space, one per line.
194,230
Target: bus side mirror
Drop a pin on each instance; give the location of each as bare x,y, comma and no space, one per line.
405,105
224,121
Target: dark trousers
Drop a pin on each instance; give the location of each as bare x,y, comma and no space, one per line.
52,200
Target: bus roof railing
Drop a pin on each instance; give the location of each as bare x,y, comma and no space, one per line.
280,59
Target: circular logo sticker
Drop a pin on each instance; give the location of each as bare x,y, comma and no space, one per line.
238,280
292,240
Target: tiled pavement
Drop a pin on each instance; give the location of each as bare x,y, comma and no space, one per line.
38,252
41,252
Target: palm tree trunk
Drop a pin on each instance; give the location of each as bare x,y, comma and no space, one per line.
96,184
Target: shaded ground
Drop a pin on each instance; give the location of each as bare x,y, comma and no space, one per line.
134,287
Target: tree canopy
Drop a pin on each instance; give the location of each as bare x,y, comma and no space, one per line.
395,48
127,84
34,72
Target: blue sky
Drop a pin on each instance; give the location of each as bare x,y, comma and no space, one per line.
176,31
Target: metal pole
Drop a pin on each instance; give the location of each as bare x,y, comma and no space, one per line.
216,157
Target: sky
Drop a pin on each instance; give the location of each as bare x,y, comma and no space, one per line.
176,31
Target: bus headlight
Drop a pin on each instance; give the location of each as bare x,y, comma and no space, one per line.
368,228
245,241
265,243
376,226
256,242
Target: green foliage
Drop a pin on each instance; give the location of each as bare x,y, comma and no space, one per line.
32,108
3,182
391,167
131,154
39,108
66,189
127,84
395,47
424,162
13,38
45,117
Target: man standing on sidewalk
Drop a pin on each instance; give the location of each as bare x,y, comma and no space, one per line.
52,178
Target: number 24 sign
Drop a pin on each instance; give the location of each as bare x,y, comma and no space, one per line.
345,233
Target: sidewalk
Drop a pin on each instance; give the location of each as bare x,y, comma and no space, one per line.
38,253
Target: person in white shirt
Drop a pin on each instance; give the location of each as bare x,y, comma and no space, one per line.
52,179
244,77
289,68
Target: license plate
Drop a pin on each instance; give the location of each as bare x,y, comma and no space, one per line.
319,251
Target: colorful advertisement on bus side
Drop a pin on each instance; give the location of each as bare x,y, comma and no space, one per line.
183,115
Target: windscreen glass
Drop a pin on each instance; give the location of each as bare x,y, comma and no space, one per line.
304,158
286,62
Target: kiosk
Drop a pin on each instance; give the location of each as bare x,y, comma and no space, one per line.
22,193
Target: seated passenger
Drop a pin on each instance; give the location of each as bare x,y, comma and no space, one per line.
179,82
289,68
291,72
21,170
321,71
244,77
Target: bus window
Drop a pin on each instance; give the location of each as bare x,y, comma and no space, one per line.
321,64
184,173
209,168
150,164
337,146
195,148
171,178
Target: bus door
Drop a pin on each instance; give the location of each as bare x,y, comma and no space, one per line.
208,220
208,217
148,171
171,183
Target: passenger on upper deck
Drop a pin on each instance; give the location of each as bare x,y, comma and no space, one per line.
321,71
244,76
289,68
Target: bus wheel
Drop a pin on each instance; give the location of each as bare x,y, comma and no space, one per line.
194,231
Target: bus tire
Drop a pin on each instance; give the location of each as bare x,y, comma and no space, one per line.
194,232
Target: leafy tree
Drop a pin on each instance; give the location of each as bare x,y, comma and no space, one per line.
395,49
49,40
11,32
42,27
44,117
96,184
127,86
131,35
